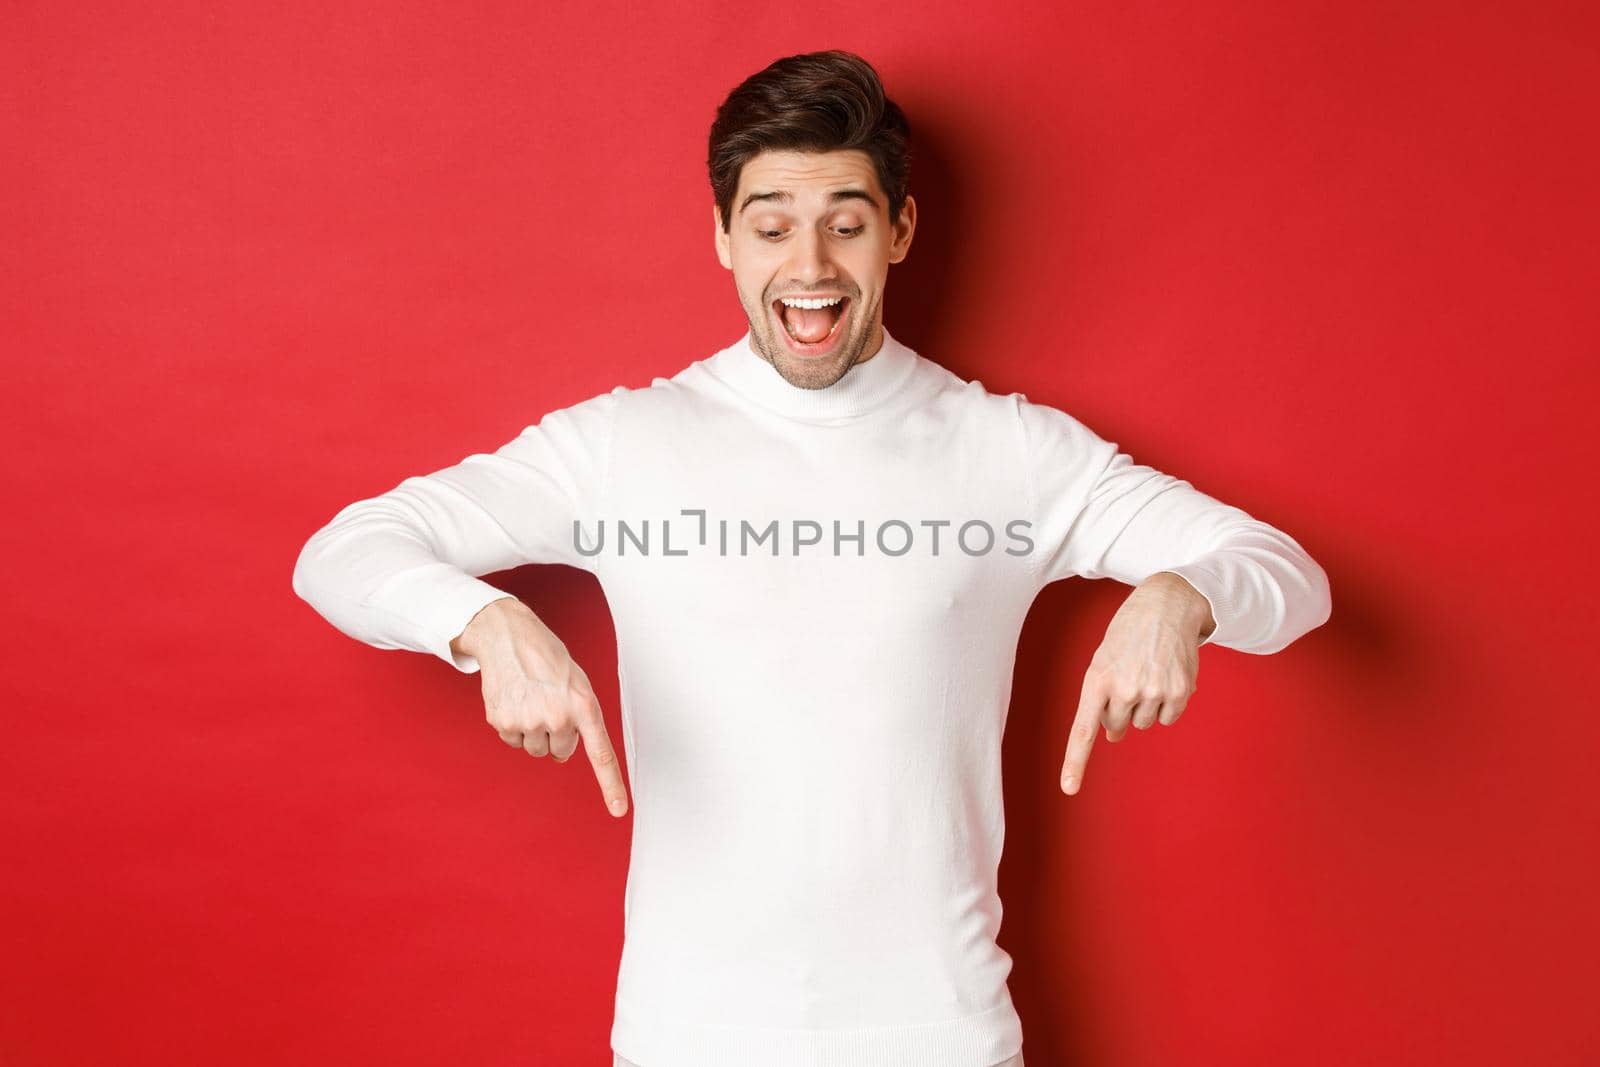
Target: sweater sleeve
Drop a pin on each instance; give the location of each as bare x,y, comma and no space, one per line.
1098,514
399,570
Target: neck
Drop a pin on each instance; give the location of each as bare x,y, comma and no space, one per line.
870,381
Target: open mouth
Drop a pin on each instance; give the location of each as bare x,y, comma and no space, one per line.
811,331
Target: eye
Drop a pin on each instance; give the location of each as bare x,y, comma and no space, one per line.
773,235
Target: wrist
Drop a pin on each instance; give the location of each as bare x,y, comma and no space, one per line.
488,618
1194,609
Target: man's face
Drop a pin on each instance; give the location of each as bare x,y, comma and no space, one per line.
813,224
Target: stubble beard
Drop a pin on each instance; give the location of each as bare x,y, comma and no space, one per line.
811,374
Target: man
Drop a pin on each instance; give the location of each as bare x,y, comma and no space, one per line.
819,549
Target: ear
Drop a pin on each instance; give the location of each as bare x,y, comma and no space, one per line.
903,229
720,238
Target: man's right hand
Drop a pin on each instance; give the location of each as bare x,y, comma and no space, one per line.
535,696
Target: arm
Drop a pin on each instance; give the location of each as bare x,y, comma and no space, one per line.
399,570
1101,515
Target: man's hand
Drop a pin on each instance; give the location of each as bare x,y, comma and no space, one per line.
535,696
1144,670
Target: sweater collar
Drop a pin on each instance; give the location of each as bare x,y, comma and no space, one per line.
863,387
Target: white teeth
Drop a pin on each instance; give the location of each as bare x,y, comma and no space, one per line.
820,302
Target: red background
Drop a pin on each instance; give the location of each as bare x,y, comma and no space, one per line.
1333,263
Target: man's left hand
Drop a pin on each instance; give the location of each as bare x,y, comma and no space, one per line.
1144,670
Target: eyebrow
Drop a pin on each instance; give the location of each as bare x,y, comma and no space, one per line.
783,196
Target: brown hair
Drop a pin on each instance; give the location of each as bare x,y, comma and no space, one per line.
813,102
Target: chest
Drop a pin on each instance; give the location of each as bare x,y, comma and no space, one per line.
907,527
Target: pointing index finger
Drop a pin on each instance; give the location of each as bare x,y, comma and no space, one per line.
1081,740
603,758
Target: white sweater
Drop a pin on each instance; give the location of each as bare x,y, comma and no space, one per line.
817,597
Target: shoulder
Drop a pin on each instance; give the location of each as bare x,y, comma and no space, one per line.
1040,433
628,400
1033,424
969,401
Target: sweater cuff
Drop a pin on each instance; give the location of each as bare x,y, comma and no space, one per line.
437,600
1210,585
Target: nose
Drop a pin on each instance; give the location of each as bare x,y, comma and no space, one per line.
809,262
